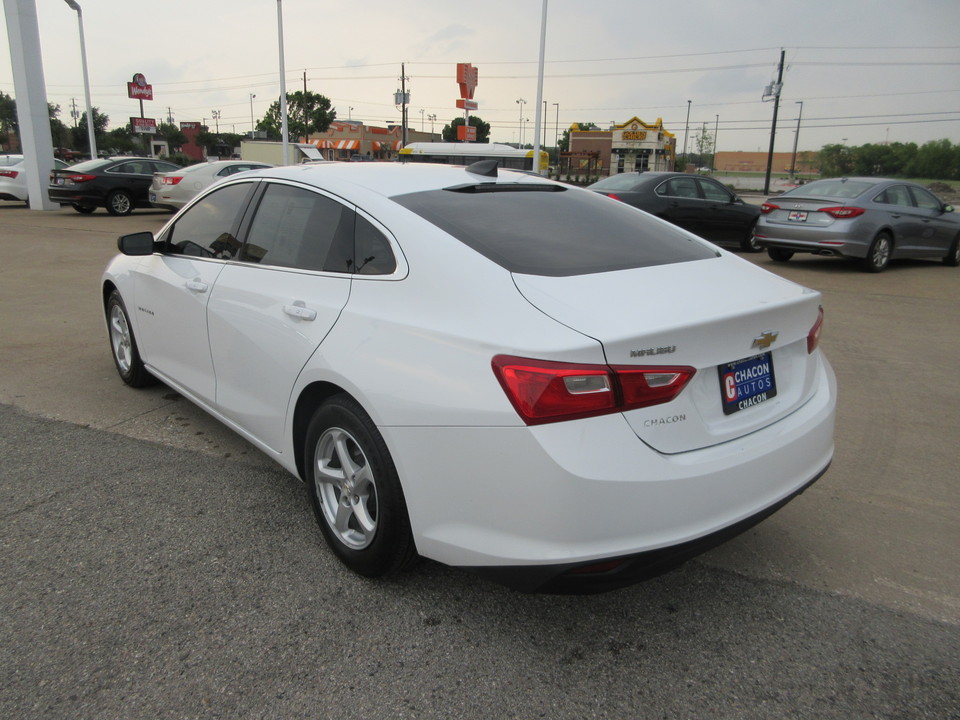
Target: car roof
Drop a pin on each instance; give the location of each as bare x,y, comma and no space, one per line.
390,179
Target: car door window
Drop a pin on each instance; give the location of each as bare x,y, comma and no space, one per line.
713,191
895,195
207,229
297,228
924,199
682,187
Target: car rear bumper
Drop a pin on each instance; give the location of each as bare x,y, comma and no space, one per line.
528,505
73,197
819,241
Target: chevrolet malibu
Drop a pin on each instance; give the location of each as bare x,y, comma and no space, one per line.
485,368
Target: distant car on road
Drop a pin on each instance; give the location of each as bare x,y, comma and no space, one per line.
174,189
119,184
874,220
698,204
13,177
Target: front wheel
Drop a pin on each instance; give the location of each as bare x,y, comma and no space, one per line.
123,345
749,242
119,203
952,258
878,257
779,254
355,490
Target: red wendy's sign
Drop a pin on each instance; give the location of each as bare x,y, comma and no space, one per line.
139,89
467,77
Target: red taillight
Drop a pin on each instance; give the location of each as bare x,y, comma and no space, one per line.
842,213
542,391
81,178
168,180
768,208
813,337
614,196
8,173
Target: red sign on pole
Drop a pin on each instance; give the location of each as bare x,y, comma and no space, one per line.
139,89
147,126
466,133
468,77
465,104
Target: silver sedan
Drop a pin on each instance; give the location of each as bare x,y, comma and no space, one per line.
871,219
173,190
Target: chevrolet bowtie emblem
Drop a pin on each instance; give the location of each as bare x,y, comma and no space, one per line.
766,340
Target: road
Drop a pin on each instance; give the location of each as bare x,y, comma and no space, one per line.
155,565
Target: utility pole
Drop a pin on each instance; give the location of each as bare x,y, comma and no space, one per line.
773,128
796,139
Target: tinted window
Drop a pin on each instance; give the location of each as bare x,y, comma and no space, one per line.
925,200
896,195
680,187
206,229
297,228
555,233
162,167
624,181
136,167
374,256
832,189
713,191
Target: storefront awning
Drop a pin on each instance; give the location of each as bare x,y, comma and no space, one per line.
338,144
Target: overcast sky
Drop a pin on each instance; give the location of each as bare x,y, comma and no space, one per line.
866,71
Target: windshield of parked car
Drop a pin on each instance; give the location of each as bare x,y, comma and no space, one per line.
556,234
838,188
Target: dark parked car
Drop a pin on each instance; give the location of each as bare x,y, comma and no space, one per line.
119,184
698,204
871,219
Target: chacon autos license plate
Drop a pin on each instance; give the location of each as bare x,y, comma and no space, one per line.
797,216
747,382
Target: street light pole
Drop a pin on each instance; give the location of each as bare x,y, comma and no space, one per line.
686,129
91,135
283,87
520,102
716,129
253,125
796,139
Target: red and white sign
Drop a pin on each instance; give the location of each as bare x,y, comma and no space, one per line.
465,104
466,133
144,126
139,89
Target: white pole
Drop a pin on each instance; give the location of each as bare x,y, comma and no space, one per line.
91,135
283,87
543,44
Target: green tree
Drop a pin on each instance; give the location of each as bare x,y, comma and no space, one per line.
449,133
81,140
835,161
119,140
172,134
59,133
8,117
307,113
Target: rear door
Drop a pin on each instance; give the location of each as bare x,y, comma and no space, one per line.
682,204
273,307
725,217
937,228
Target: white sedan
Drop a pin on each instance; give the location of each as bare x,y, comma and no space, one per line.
173,190
496,371
13,177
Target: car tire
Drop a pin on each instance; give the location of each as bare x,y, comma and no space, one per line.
83,209
123,345
749,242
952,258
119,203
878,256
779,254
355,490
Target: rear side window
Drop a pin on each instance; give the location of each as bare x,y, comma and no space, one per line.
207,229
554,233
296,228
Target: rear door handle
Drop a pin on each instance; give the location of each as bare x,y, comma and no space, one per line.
197,286
300,311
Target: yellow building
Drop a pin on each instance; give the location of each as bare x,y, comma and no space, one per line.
627,147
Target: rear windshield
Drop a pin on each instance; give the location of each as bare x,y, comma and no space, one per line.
832,189
554,233
90,165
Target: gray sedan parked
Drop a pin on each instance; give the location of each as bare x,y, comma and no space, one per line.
871,219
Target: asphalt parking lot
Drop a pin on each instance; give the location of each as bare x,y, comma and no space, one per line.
155,565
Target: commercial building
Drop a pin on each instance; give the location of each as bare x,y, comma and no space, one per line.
347,138
756,162
628,147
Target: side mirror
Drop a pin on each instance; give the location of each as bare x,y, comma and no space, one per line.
948,208
141,243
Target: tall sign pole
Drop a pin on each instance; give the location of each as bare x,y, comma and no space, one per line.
536,132
283,87
467,78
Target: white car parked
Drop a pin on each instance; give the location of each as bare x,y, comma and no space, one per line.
495,371
13,177
173,190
